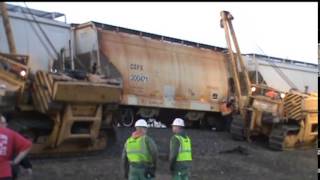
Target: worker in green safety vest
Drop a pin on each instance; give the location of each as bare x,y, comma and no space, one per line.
180,152
140,154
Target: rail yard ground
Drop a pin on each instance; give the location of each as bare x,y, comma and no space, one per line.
208,164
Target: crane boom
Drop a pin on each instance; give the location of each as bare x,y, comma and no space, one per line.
236,59
7,26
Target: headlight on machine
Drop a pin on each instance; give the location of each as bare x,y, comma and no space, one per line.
253,89
282,95
23,73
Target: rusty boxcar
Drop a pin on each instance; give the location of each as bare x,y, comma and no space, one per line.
162,77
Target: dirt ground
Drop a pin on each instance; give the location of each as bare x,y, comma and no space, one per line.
261,163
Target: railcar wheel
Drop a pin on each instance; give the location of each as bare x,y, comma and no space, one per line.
127,117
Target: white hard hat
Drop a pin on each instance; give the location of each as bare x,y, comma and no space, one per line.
2,119
141,123
178,122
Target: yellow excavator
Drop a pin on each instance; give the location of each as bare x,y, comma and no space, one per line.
61,112
288,119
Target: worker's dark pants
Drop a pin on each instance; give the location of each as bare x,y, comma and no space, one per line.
228,119
14,172
136,173
6,178
180,175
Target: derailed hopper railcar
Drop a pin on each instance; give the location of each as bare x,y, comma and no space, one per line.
162,77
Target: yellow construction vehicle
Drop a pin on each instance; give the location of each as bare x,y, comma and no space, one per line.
61,112
301,121
288,119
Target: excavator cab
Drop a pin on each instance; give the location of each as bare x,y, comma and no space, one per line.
265,103
261,110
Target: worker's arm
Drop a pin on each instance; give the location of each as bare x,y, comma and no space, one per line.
23,146
152,147
20,156
174,150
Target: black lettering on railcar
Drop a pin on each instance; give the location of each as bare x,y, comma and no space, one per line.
138,67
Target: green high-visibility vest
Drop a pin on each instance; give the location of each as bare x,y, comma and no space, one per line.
185,153
137,151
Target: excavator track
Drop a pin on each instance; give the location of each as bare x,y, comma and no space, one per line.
277,137
237,128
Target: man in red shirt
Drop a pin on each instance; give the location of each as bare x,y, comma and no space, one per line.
11,142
